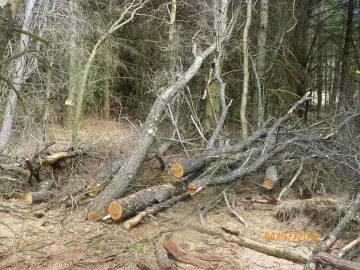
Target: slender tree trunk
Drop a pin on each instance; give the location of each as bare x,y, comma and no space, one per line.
74,66
345,93
107,90
18,75
258,113
336,83
244,123
8,10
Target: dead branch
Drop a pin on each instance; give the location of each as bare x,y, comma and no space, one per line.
163,260
232,210
292,180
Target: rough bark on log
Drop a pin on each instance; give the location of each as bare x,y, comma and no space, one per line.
128,172
179,170
138,201
271,177
334,261
249,243
154,209
163,260
334,234
38,197
108,171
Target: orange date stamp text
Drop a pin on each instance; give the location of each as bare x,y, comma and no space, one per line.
292,236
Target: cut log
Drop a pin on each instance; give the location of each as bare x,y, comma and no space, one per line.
271,177
153,210
334,261
54,158
38,197
138,201
163,260
179,170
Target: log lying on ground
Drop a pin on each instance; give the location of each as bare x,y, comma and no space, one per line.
335,234
334,261
271,177
138,201
249,243
154,209
179,170
39,196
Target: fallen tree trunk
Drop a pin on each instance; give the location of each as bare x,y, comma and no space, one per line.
127,173
334,261
179,170
138,201
271,177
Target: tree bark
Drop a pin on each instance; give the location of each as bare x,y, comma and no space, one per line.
18,75
345,93
244,123
261,61
128,172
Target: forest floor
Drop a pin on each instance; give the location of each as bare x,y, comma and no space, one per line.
50,236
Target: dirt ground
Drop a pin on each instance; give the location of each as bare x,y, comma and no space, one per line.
33,237
50,236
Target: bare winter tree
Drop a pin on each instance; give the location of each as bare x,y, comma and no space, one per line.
19,72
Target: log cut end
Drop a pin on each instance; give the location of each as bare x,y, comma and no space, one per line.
271,177
93,189
177,170
94,216
28,198
268,184
192,189
115,211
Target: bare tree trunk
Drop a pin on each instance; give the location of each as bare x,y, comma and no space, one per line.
74,66
18,75
345,93
127,173
8,10
244,123
261,61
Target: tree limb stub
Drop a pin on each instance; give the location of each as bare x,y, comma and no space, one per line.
127,173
